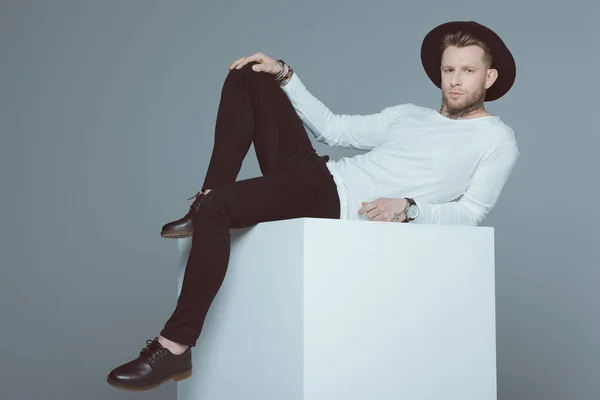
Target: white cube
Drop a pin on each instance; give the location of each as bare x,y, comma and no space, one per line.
322,309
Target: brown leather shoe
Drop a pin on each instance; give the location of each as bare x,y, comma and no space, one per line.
182,227
154,366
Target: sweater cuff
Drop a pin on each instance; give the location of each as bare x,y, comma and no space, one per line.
425,213
294,85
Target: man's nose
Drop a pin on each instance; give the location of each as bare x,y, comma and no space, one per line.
455,79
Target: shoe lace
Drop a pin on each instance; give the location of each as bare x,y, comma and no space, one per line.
196,204
152,350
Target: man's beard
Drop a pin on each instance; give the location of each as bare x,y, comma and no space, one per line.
473,103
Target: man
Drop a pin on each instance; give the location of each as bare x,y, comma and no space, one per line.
445,166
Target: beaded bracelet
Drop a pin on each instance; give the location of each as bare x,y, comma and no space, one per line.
284,79
280,74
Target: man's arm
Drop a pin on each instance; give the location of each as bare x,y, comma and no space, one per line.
362,132
473,206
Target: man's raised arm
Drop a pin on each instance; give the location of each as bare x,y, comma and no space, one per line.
361,132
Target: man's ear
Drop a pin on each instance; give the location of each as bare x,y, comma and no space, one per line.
490,78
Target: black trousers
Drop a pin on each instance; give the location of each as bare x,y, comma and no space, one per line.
295,183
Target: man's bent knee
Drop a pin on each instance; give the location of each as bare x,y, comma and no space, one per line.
248,75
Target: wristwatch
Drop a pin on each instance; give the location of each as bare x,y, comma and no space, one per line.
412,210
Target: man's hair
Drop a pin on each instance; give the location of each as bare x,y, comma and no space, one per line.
462,39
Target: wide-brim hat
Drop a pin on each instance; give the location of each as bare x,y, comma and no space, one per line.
503,61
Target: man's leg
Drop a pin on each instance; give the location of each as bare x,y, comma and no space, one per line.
303,191
253,109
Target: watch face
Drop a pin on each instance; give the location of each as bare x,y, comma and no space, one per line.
412,212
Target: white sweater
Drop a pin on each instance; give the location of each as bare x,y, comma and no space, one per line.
454,169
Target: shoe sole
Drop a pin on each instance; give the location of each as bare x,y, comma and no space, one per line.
178,376
176,235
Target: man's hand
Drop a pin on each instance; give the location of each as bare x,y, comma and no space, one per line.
390,210
265,63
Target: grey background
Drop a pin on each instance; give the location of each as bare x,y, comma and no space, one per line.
107,111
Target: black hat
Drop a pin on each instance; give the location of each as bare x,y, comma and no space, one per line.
503,61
